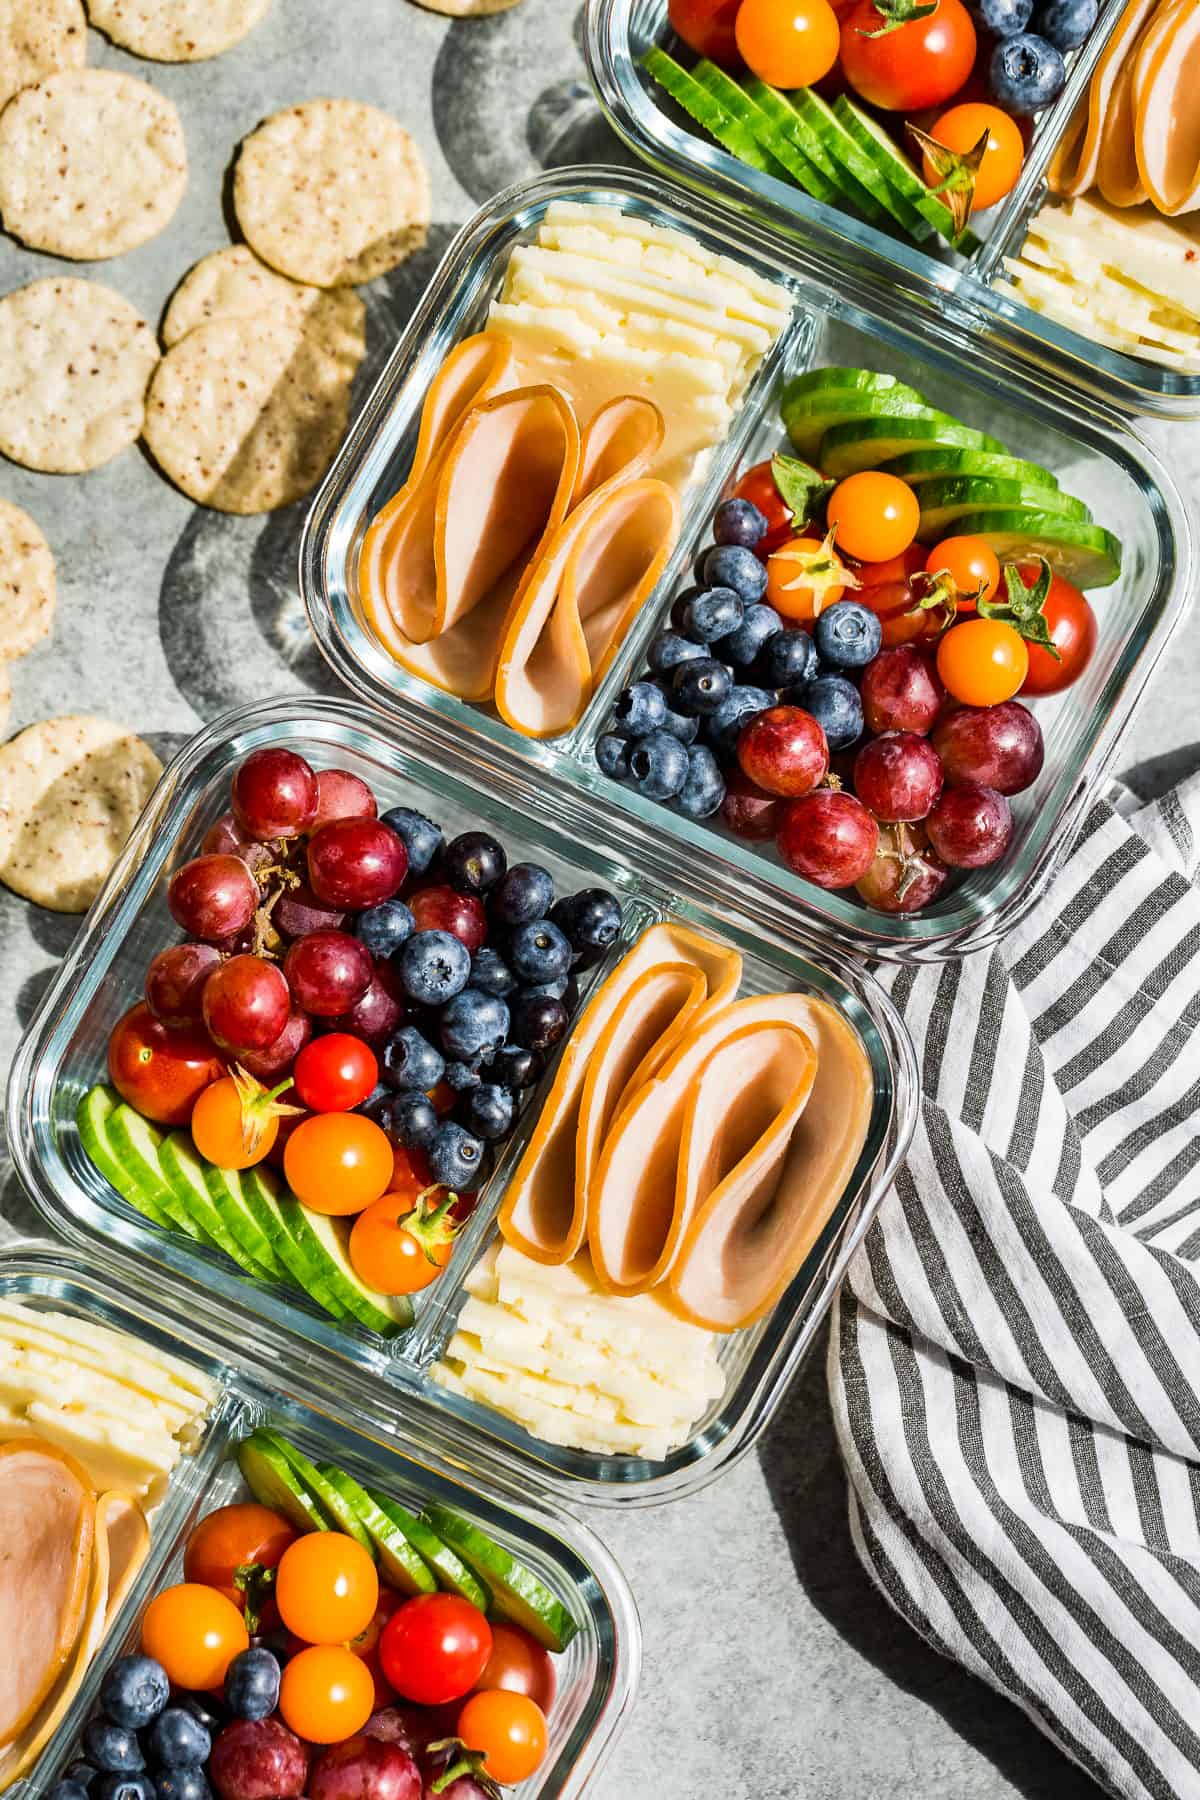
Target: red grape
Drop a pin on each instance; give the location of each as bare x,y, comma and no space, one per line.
783,750
380,1011
999,746
213,897
748,812
341,795
971,826
328,972
898,776
827,837
274,794
298,911
175,982
356,862
271,1064
442,909
905,874
226,838
901,691
246,1003
258,1759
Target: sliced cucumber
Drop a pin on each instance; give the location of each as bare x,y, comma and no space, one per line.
869,443
898,171
136,1143
810,418
854,381
788,124
1087,555
726,92
699,104
188,1176
861,164
92,1121
399,1562
920,466
323,1245
229,1193
260,1192
267,1468
451,1572
946,501
517,1594
317,1486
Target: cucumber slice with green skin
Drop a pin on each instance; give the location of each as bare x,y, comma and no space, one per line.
92,1121
1087,555
268,1473
187,1175
517,1594
451,1572
726,92
859,163
327,1498
228,1190
136,1143
944,502
836,380
261,1195
899,172
308,1263
864,197
920,466
869,443
321,1241
399,1562
810,417
699,104
786,124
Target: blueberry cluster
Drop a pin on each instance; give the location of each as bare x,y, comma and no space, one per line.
488,986
725,657
145,1744
1027,70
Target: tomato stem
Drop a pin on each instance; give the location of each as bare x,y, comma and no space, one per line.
1024,609
898,13
957,171
460,1761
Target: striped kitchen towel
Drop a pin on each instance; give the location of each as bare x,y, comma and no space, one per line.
1015,1358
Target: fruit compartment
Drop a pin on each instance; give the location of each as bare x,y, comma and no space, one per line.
597,1674
63,1054
617,33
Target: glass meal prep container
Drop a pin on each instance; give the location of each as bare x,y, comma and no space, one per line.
843,315
617,34
63,1055
261,1378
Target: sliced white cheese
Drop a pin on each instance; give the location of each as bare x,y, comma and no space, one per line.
143,1365
572,212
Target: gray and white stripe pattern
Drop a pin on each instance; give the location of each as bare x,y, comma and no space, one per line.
1015,1358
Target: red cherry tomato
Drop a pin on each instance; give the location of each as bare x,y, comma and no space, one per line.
335,1072
161,1070
366,1646
706,26
1072,626
435,1648
519,1665
892,594
922,62
231,1544
758,486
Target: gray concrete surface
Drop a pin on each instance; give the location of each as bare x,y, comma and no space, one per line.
773,1670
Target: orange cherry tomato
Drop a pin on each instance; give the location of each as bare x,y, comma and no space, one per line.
875,515
338,1162
235,1121
982,662
327,1588
789,43
399,1246
327,1693
195,1633
510,1730
804,576
960,130
971,564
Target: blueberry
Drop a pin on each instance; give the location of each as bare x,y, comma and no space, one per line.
434,967
731,566
462,1076
538,1022
456,1157
412,1120
789,659
539,952
421,837
848,635
740,704
525,892
474,1024
134,1692
713,614
742,646
681,603
124,1787
182,1784
670,648
834,704
639,709
474,862
703,791
557,989
658,764
488,1112
1026,73
677,723
178,1741
204,1708
68,1790
739,522
80,1774
1003,18
515,1067
113,1749
1068,23
490,973
252,1685
410,1061
591,923
700,687
384,928
612,756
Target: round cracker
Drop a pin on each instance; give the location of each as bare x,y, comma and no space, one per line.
468,9
75,360
5,696
332,192
92,164
27,582
177,30
71,790
36,38
245,414
234,284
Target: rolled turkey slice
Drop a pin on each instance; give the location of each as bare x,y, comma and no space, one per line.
1075,166
1167,98
47,1528
128,1539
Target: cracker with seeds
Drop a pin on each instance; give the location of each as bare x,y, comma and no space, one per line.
332,192
27,583
36,38
177,30
75,361
71,790
92,164
234,284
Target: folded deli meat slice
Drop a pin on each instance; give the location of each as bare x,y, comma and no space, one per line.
47,1528
127,1536
1075,166
1167,97
627,1028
